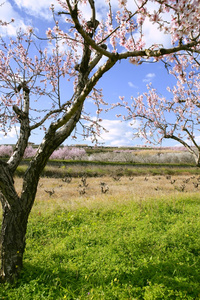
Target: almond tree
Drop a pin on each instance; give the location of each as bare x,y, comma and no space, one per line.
176,117
74,54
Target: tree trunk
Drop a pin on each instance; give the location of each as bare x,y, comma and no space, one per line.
197,158
16,209
13,233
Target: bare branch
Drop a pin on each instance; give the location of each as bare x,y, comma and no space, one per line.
52,112
192,138
159,52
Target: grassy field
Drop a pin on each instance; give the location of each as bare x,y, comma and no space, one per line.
98,169
138,239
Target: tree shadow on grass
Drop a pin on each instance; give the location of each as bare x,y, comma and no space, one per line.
173,279
56,279
170,279
38,282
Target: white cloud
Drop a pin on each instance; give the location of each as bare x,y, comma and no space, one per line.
197,139
149,77
132,85
7,13
37,8
11,136
118,133
152,35
40,9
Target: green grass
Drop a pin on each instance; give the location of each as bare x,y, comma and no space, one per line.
138,250
61,169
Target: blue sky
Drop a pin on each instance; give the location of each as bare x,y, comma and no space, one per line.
124,79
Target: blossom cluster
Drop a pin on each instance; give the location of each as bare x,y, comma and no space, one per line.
61,153
6,150
174,117
43,69
68,153
40,70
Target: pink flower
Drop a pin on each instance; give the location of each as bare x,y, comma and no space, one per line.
49,33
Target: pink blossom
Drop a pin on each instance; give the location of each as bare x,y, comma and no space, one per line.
29,152
68,153
5,151
122,3
49,33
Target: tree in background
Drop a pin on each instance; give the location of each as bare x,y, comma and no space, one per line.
177,118
28,77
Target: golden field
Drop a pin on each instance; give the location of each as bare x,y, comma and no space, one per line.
56,192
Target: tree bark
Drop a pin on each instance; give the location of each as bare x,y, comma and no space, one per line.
197,158
13,233
13,228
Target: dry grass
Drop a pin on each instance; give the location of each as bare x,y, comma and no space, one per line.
67,195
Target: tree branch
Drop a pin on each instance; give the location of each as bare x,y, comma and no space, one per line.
192,138
23,116
85,92
38,124
85,36
7,186
181,142
159,52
